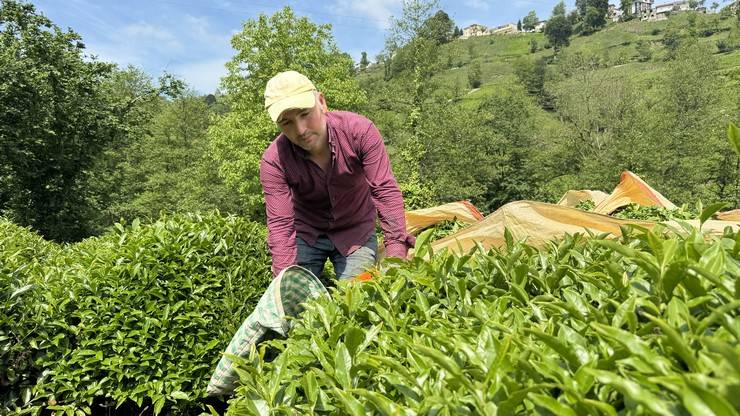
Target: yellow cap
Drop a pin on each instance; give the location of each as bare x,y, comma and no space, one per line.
287,90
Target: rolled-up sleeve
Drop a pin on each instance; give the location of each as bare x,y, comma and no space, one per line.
281,231
385,193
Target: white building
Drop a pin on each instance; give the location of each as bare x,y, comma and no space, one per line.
474,30
506,29
641,7
614,13
661,11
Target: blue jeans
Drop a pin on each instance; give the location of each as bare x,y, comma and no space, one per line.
346,267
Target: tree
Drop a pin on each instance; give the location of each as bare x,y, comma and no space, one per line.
439,28
531,74
559,9
626,7
474,74
170,169
530,21
107,185
415,60
558,29
56,119
594,20
695,4
363,61
533,46
582,7
265,46
519,25
506,119
691,125
596,104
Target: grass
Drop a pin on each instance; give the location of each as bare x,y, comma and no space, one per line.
616,45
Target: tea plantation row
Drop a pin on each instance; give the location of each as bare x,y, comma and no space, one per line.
135,321
131,320
645,325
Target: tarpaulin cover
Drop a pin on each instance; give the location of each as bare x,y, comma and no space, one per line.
463,211
538,222
632,190
733,215
572,197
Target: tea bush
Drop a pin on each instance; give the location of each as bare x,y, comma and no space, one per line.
138,316
23,255
645,325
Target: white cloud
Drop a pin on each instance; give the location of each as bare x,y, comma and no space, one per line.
478,4
122,55
199,29
157,37
202,76
365,12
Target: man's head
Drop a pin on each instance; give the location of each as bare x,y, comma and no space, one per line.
298,109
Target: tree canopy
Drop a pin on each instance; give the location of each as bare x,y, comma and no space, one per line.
529,22
558,29
265,46
56,118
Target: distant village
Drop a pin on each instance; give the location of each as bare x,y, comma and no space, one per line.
643,10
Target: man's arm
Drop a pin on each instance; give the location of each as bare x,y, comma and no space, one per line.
385,193
280,216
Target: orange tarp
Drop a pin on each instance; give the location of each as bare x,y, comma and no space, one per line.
463,211
539,222
632,190
733,215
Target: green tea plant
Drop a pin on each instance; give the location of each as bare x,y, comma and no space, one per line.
655,213
22,254
136,318
647,324
586,205
445,228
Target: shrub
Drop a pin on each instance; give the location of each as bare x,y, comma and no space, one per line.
140,315
23,255
474,75
724,45
533,47
582,327
644,51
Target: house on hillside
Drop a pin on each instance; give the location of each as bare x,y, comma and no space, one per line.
641,7
614,13
661,11
540,26
506,29
474,30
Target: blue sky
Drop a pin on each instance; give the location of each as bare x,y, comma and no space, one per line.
191,38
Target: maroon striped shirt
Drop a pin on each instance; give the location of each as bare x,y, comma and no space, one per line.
342,203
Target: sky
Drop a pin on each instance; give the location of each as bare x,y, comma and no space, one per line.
191,38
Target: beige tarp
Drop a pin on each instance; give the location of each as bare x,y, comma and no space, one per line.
463,211
572,198
539,222
632,190
733,215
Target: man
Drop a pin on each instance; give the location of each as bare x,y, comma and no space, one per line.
325,178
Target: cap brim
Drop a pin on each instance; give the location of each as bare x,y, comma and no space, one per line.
303,100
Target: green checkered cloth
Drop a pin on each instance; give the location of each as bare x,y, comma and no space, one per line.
284,297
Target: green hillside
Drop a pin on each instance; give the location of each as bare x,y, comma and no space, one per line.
650,68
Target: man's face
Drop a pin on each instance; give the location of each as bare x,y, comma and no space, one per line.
306,127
